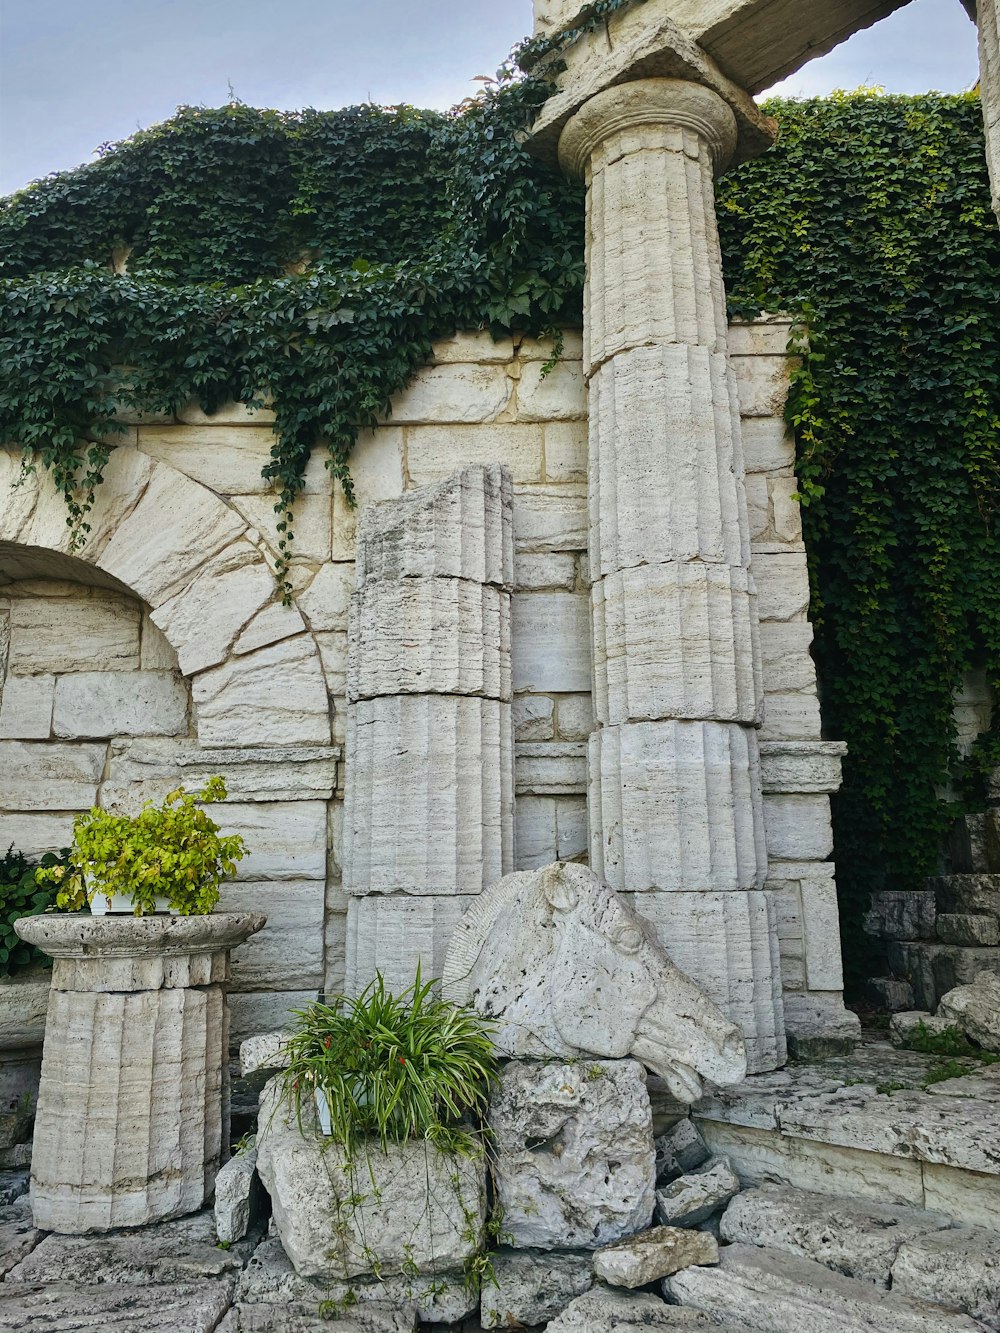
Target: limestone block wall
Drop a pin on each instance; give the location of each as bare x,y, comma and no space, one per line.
172,604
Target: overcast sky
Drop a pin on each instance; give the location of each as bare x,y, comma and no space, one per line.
77,73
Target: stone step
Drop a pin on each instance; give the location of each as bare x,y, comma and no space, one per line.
768,1290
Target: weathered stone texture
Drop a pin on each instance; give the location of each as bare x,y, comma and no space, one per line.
975,1009
958,1268
397,933
532,1287
655,1254
574,1164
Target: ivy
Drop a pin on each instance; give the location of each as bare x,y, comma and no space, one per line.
305,258
311,258
871,220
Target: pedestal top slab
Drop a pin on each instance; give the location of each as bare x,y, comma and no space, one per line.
79,935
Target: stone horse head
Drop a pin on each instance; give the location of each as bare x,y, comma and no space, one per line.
565,968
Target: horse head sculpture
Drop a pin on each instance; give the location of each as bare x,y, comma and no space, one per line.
564,967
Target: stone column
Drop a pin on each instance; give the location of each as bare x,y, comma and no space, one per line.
675,791
988,18
429,797
133,1107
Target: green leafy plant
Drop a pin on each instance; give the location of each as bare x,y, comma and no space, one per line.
394,1067
172,851
22,894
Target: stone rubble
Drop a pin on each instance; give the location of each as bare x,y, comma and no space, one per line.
654,1254
237,1195
533,1286
914,1023
693,1198
769,1289
606,1311
975,1009
680,1150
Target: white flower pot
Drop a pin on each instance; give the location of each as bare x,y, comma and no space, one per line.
323,1111
103,904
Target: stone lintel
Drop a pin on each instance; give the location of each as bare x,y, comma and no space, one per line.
643,42
756,42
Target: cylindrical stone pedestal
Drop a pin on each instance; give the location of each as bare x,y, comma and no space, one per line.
133,1107
676,807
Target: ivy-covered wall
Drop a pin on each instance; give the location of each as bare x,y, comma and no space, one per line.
331,248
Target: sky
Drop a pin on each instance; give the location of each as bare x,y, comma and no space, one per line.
74,75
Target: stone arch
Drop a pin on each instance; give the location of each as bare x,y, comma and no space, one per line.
255,670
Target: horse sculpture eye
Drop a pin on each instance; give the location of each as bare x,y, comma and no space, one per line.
627,939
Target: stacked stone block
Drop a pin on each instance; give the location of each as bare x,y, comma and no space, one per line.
429,803
945,934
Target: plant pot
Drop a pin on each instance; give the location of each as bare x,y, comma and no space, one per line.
104,904
323,1111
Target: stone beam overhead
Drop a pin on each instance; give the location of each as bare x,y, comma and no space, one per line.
645,42
753,42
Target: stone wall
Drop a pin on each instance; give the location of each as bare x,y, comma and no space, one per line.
183,663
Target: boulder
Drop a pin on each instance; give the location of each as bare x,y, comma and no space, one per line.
915,1023
339,1219
959,1269
858,1238
574,1161
533,1286
976,1010
267,1050
237,1196
969,930
695,1197
654,1254
767,1290
565,967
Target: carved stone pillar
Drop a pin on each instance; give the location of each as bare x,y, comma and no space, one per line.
133,1107
675,793
429,798
988,19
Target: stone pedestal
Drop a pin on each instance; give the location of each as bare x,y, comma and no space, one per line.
676,806
132,1121
429,798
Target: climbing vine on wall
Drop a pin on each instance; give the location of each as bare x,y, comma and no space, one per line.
872,218
313,256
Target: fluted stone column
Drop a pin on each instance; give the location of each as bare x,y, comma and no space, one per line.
676,809
133,1107
429,794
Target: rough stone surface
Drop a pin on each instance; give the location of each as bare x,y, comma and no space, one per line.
976,894
902,915
396,933
302,1317
564,967
18,1236
959,1269
654,1254
680,1150
966,929
976,1010
265,1051
606,1311
909,1025
574,1165
891,994
767,1289
132,1106
235,1189
694,1198
857,1238
410,1208
72,1307
533,1287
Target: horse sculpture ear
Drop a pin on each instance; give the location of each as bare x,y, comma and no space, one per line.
559,892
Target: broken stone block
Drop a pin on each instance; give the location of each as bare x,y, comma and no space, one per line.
767,1290
680,1150
565,967
976,1010
976,894
13,1184
574,1160
654,1254
858,1238
911,1025
340,1219
169,1252
959,1269
237,1196
605,1311
890,994
965,929
195,1307
533,1286
901,915
695,1197
968,848
18,1236
265,1051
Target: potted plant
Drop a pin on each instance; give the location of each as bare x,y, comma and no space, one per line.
372,1142
168,858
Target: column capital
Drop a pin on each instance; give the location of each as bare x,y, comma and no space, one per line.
676,103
